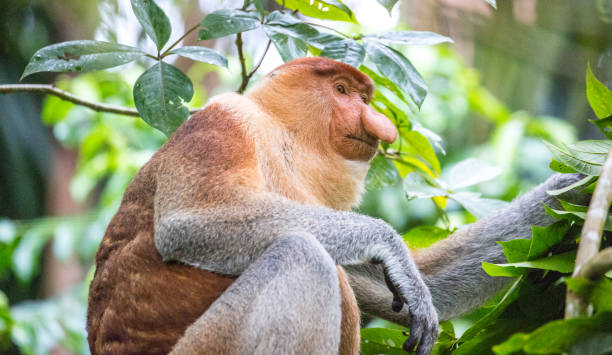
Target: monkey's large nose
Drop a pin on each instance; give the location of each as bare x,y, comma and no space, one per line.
379,125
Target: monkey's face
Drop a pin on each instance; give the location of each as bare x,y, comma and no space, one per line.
355,128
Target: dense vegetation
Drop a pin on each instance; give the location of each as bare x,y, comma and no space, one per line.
528,317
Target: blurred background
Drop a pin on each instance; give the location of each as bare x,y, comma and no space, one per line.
514,77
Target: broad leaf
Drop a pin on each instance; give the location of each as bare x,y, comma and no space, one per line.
543,238
424,236
201,54
416,186
288,47
596,292
382,173
324,9
471,172
599,96
516,249
348,51
476,205
563,156
388,4
421,146
604,125
395,66
412,38
288,25
259,6
560,167
591,151
159,94
384,82
226,22
80,56
563,263
154,21
382,341
580,183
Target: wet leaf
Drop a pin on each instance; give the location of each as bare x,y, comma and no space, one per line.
154,21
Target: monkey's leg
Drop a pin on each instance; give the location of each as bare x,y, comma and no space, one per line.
286,302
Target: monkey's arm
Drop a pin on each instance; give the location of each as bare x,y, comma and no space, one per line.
452,268
227,239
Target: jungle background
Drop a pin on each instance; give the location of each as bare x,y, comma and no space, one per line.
513,78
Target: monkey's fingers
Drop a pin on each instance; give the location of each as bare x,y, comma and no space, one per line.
412,340
397,303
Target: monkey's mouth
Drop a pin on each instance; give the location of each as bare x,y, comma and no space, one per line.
372,142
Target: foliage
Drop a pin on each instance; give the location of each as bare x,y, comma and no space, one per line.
524,318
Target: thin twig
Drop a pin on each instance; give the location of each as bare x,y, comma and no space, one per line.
179,40
598,266
64,95
243,71
590,237
260,60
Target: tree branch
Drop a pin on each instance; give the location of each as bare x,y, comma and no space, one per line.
598,265
590,238
64,95
166,52
243,71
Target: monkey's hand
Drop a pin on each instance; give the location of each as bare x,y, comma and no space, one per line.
404,281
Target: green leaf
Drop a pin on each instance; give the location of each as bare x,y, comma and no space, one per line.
8,232
288,47
226,22
80,56
563,156
599,96
416,186
388,4
591,151
259,6
421,146
471,172
604,125
398,69
382,173
514,344
483,323
561,336
596,293
424,236
288,25
560,167
26,257
503,271
411,38
201,54
347,51
476,205
327,9
543,238
587,180
384,82
159,94
563,263
516,250
382,341
154,21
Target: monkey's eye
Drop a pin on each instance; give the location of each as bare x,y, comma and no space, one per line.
341,89
364,99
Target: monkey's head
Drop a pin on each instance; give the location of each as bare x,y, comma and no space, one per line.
327,104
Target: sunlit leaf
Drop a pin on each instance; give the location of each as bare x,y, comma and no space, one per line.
424,236
476,205
226,22
416,186
288,47
201,54
471,172
421,146
395,66
580,183
382,173
560,262
159,95
412,38
604,125
563,156
288,25
324,9
154,21
384,82
560,167
348,51
599,96
80,56
8,232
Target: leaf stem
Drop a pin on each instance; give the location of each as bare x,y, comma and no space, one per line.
590,237
195,27
66,96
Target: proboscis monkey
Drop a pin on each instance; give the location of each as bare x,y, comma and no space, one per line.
232,239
